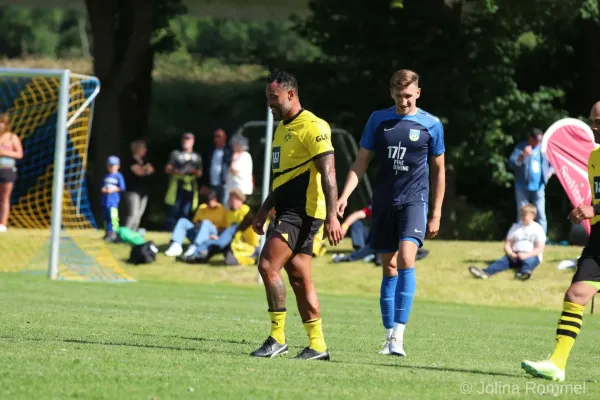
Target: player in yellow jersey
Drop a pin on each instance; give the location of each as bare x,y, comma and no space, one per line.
304,195
586,281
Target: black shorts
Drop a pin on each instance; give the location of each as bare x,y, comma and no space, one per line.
588,270
298,231
8,175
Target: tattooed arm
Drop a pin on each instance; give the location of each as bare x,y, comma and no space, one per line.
326,167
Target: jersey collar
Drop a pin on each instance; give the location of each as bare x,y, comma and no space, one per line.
287,121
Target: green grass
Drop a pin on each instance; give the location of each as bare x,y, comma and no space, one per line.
185,331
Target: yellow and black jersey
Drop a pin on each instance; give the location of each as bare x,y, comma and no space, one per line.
594,177
593,245
296,181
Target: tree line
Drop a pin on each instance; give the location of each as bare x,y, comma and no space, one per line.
491,69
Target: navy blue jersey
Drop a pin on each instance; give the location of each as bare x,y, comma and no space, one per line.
402,145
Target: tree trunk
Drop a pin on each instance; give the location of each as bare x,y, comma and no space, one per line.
137,101
121,34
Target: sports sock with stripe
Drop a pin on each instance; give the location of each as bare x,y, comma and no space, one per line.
569,327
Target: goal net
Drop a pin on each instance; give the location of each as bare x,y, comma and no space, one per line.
51,226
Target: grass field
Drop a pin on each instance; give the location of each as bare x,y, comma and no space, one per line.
185,331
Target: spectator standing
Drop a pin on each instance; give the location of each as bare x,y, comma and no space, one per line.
112,186
216,162
137,171
184,168
240,171
11,150
532,172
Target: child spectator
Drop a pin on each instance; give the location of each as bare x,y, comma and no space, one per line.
112,186
524,245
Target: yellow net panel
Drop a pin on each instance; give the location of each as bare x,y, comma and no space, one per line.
32,104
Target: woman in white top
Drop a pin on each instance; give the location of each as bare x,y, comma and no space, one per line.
11,150
240,172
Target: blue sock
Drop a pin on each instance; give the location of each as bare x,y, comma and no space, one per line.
386,300
405,292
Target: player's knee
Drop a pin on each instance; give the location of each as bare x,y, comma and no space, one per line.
580,293
405,261
264,267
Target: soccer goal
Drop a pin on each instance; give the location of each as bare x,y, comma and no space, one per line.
51,226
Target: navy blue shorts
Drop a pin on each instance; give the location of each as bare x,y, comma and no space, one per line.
404,223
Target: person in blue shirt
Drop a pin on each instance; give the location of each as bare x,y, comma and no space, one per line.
112,186
407,143
532,172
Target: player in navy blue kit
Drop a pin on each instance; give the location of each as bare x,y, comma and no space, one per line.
112,186
408,143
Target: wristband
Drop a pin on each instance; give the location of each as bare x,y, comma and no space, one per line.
344,226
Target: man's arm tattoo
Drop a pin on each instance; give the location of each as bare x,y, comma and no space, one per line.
276,294
326,167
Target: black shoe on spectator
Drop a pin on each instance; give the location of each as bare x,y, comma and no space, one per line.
522,276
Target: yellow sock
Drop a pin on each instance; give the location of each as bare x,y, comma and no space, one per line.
316,340
569,327
278,325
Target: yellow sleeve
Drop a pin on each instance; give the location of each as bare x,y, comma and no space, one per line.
317,138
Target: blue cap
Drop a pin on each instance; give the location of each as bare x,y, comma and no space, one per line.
114,160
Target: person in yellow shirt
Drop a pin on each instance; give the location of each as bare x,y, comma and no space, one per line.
210,217
304,196
586,281
238,220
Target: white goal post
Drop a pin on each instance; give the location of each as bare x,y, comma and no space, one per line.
70,95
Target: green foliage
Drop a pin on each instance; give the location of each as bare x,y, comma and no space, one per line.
491,70
239,42
45,32
164,38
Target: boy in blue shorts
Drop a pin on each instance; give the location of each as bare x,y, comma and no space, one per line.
112,186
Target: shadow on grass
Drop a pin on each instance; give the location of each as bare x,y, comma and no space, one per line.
245,342
435,369
125,344
473,261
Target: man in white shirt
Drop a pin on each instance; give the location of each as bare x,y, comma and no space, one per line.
524,245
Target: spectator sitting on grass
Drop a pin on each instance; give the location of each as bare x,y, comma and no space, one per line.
524,245
359,234
210,241
212,212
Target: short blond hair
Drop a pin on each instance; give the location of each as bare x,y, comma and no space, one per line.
404,78
238,193
528,209
137,144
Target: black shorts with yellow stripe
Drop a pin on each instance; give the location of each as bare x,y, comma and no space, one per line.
588,271
588,265
297,230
